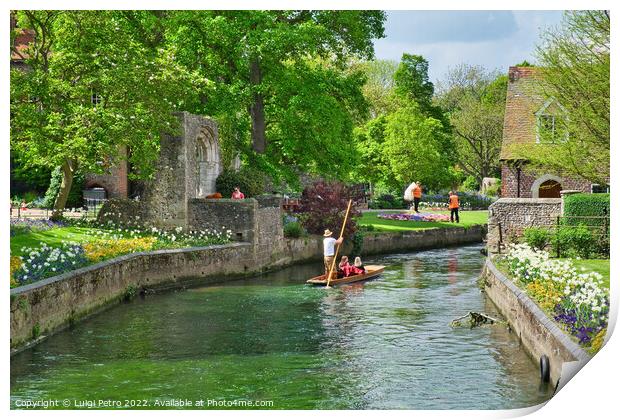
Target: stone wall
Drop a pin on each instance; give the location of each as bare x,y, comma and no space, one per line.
223,214
538,334
121,211
382,242
255,220
508,217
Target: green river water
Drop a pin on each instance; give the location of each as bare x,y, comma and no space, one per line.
383,344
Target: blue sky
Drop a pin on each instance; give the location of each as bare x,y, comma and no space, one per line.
493,39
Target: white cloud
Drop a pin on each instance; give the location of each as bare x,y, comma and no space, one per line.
493,47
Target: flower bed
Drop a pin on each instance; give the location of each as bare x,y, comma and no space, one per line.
42,262
578,301
416,217
21,226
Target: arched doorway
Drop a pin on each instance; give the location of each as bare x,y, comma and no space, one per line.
547,186
207,162
549,189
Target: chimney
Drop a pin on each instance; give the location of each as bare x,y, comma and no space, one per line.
513,74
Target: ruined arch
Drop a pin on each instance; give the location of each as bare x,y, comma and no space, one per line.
207,161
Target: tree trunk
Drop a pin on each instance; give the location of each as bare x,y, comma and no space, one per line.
257,110
68,170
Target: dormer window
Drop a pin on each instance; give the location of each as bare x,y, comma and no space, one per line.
551,123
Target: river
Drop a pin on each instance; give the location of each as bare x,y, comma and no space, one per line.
382,344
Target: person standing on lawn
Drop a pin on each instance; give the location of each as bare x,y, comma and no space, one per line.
417,195
329,245
453,205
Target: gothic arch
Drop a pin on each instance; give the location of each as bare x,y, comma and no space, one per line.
547,177
207,161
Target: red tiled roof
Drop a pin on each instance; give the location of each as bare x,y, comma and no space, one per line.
20,44
523,99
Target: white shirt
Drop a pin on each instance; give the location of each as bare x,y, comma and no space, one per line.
328,246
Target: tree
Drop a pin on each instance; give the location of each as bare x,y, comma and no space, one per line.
418,149
575,60
373,164
324,206
280,80
379,87
411,142
475,102
91,89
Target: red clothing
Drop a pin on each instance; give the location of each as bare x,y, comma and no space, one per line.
237,195
350,270
417,192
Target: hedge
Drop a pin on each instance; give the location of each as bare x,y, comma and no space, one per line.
579,208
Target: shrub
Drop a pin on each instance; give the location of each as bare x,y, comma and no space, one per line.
468,201
569,241
586,205
293,230
323,206
358,243
538,238
388,201
74,199
250,181
494,190
470,184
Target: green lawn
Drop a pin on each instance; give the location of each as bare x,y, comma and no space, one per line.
52,237
598,266
468,218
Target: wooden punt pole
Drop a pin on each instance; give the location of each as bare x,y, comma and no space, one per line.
331,269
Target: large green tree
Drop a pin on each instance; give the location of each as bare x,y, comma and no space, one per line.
411,141
92,89
280,79
379,87
475,100
575,61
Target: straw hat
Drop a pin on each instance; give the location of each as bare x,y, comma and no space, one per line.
327,233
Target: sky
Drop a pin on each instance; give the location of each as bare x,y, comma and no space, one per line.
492,39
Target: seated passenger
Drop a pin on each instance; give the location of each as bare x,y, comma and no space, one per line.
344,266
359,266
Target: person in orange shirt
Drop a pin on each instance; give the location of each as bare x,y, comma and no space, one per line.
417,195
453,204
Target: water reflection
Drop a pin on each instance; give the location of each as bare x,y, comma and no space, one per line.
385,343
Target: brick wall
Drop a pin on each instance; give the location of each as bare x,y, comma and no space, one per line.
509,182
114,179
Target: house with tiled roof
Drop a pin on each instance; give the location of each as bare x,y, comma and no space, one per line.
532,118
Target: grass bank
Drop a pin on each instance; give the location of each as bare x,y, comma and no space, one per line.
467,219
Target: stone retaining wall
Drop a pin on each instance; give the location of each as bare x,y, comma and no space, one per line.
509,217
538,334
39,309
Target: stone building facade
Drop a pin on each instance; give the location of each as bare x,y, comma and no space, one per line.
527,111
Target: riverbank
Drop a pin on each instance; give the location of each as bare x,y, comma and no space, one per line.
42,308
539,335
